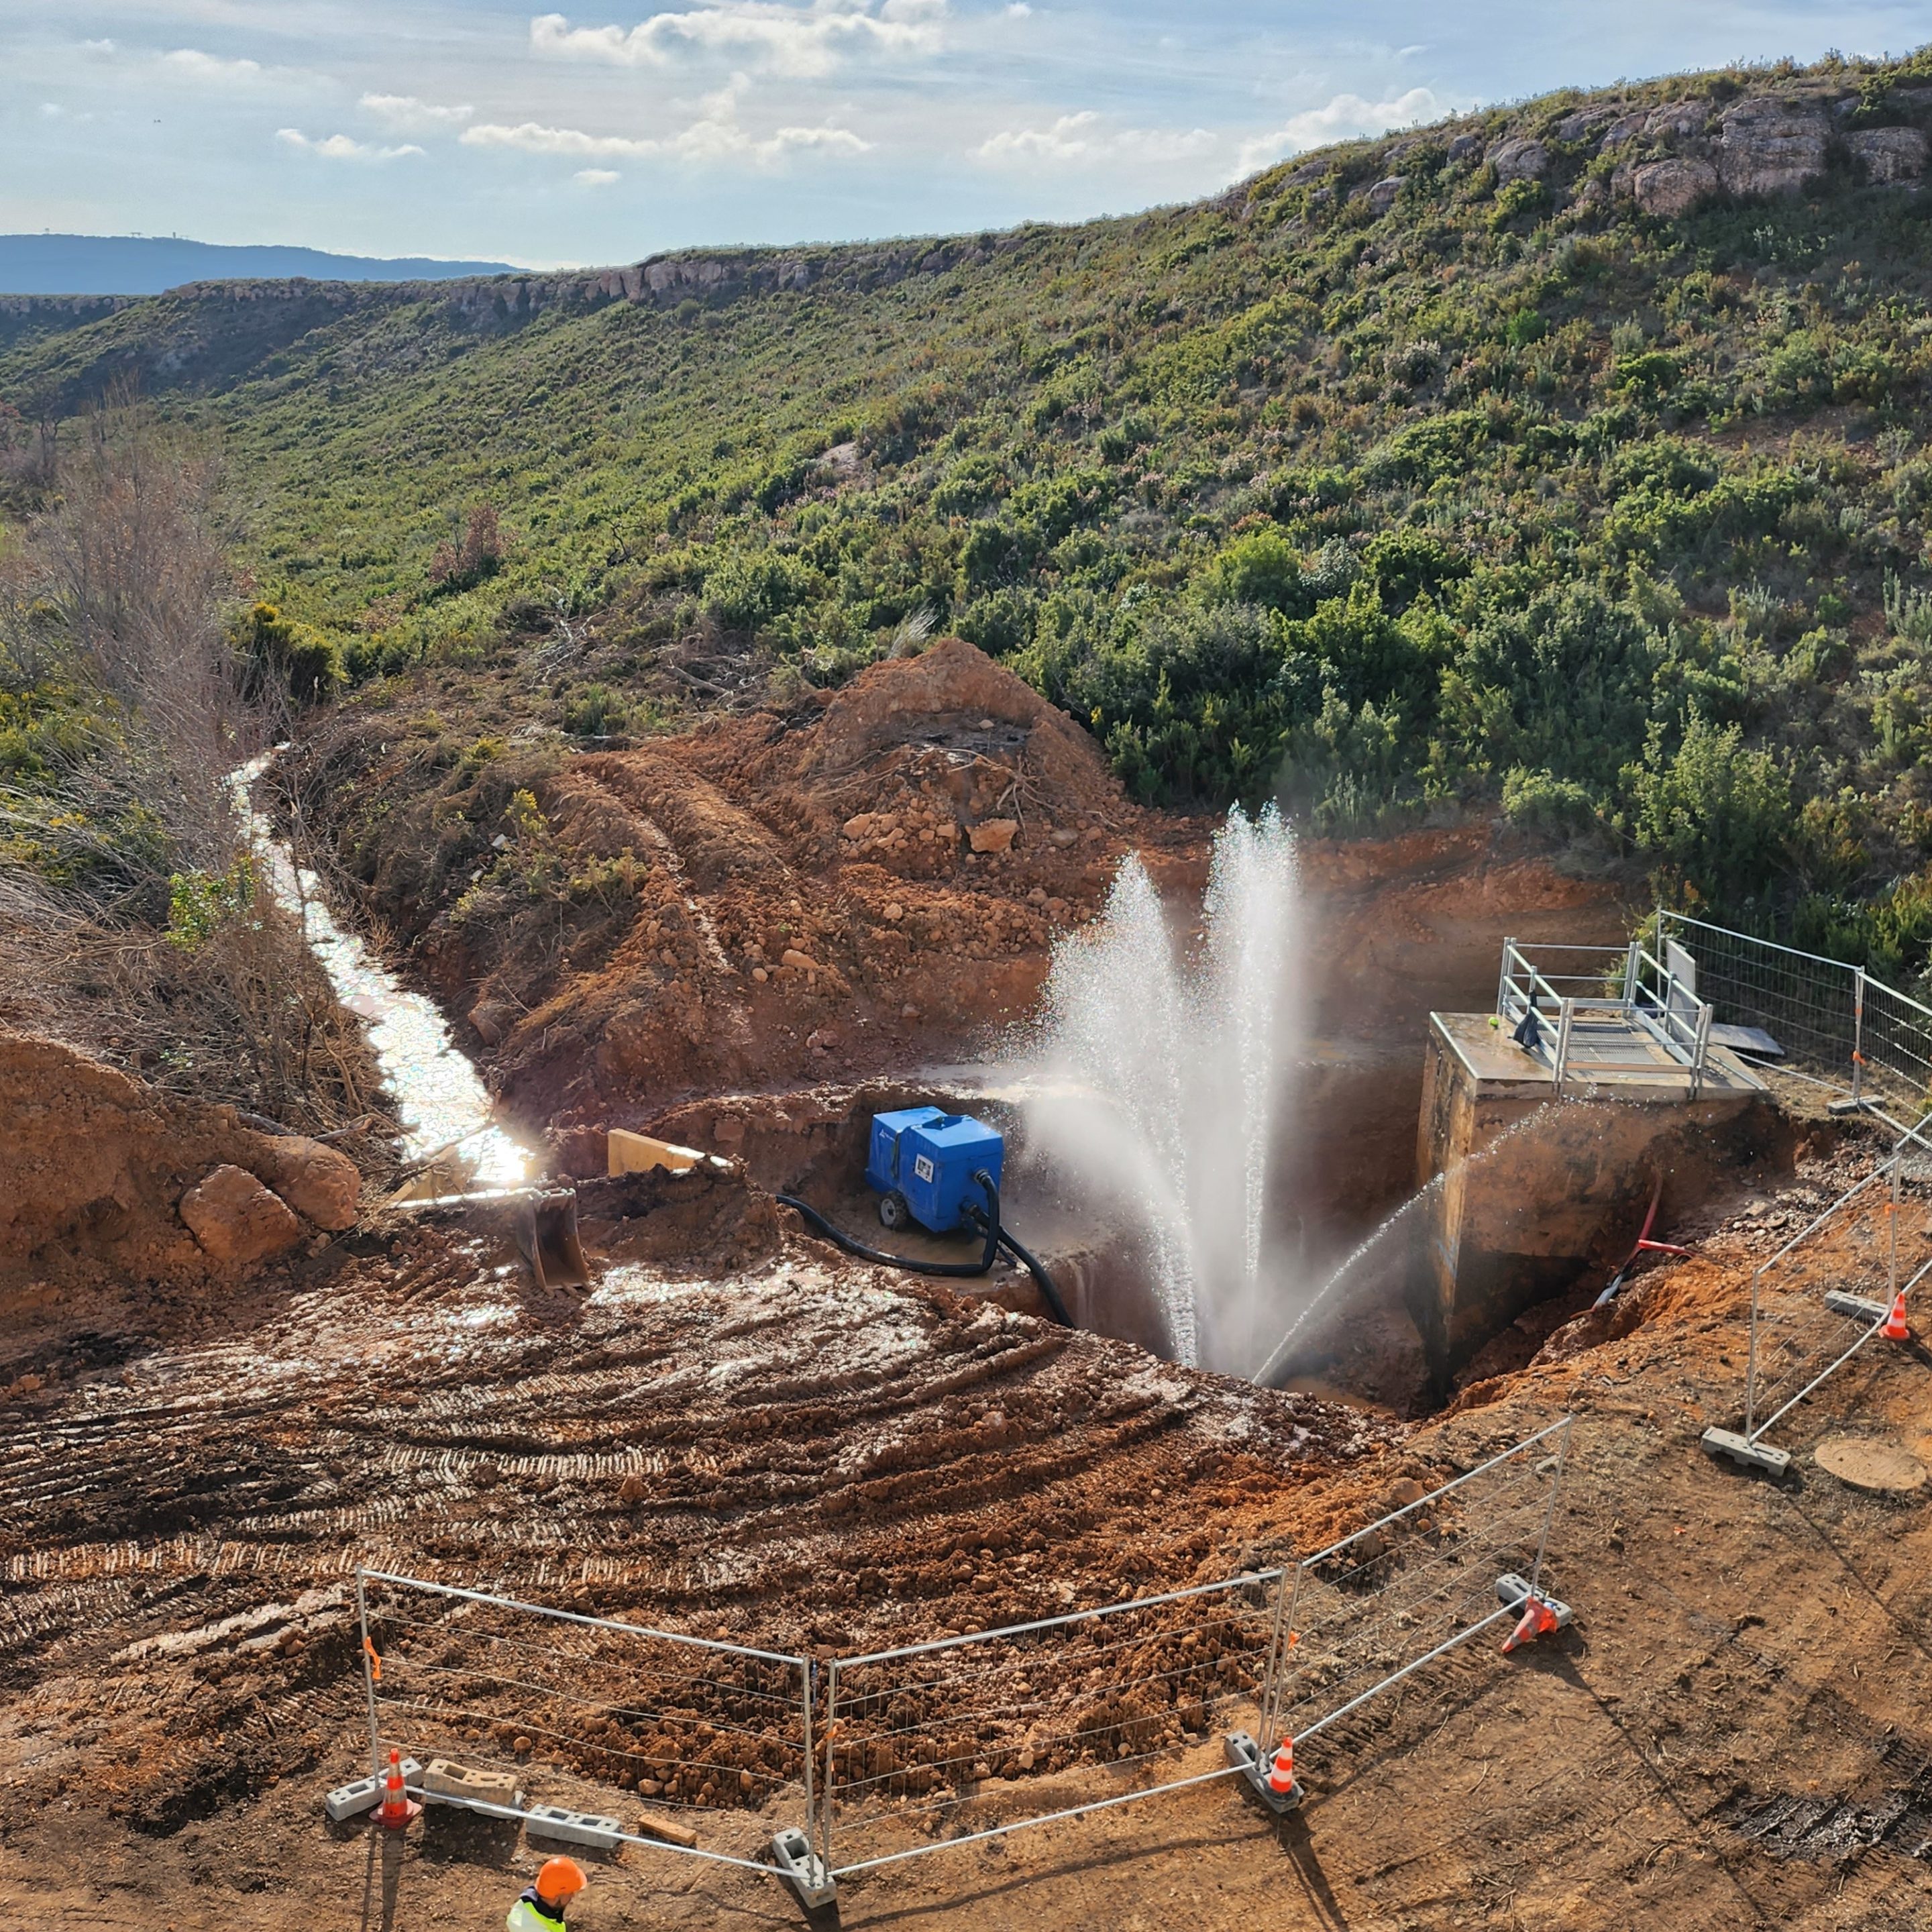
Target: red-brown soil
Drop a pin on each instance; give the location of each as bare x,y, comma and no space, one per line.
1734,1735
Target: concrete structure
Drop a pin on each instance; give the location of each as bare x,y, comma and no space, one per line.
1541,1167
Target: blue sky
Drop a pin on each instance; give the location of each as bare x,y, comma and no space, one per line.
601,134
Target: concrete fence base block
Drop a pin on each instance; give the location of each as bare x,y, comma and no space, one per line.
1855,1305
353,1801
573,1828
1512,1590
444,1782
802,1869
1245,1755
1746,1453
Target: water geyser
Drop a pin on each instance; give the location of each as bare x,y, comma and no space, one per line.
1169,1077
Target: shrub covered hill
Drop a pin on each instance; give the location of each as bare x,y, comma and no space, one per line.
1571,456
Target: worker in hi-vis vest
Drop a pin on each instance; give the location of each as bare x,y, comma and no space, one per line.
542,1906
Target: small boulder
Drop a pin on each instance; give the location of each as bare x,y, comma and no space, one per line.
1890,154
1520,159
319,1182
1673,187
995,835
803,962
236,1218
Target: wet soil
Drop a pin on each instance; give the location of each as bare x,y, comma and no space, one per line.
1735,1733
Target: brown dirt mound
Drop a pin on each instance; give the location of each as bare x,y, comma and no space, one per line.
93,1164
877,875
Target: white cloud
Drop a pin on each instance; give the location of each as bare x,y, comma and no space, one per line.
97,46
716,136
807,40
596,177
1084,140
191,64
341,147
1346,115
406,112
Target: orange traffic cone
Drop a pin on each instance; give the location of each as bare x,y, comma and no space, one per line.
1281,1773
1538,1620
1894,1329
398,1807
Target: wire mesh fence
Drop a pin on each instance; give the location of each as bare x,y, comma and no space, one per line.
1819,1304
1832,1019
1112,1696
535,1711
536,1716
1370,1611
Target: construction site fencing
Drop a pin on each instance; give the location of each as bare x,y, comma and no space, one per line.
1833,1020
1107,1702
1108,1695
893,1754
584,1714
1372,1609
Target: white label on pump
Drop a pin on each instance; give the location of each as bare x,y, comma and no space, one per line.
922,1166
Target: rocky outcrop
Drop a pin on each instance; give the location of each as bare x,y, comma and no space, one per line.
238,1220
1518,160
1889,155
1769,145
1380,196
1672,187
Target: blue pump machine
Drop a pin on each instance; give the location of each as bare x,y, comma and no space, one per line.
921,1166
942,1171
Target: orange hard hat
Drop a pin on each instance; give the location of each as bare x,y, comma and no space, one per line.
560,1880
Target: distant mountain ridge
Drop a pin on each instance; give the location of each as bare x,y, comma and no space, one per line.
138,265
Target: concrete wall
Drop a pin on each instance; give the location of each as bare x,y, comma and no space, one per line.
1532,1194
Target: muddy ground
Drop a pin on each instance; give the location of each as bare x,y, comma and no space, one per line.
1734,1734
736,1432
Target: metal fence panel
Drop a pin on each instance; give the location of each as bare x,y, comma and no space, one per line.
587,1713
1370,1610
1110,1696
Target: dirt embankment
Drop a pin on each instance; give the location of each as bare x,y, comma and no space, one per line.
868,882
107,1185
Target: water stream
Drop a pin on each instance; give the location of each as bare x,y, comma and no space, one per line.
449,1121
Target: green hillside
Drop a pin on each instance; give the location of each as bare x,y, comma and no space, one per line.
1423,472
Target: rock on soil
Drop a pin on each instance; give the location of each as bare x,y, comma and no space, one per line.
320,1184
236,1218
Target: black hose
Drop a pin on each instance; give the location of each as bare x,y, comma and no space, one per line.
997,1238
1050,1294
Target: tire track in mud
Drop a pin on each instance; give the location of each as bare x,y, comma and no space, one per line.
819,1455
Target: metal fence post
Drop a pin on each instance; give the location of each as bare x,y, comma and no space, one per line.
1286,1596
811,1820
1566,1014
825,1783
369,1676
1549,1510
1891,1227
1858,1030
1750,1356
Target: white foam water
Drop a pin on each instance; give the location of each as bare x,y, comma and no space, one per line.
446,1110
1171,1076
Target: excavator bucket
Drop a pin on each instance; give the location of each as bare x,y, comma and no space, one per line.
545,1226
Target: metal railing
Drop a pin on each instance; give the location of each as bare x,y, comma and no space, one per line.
1853,1032
1615,1011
